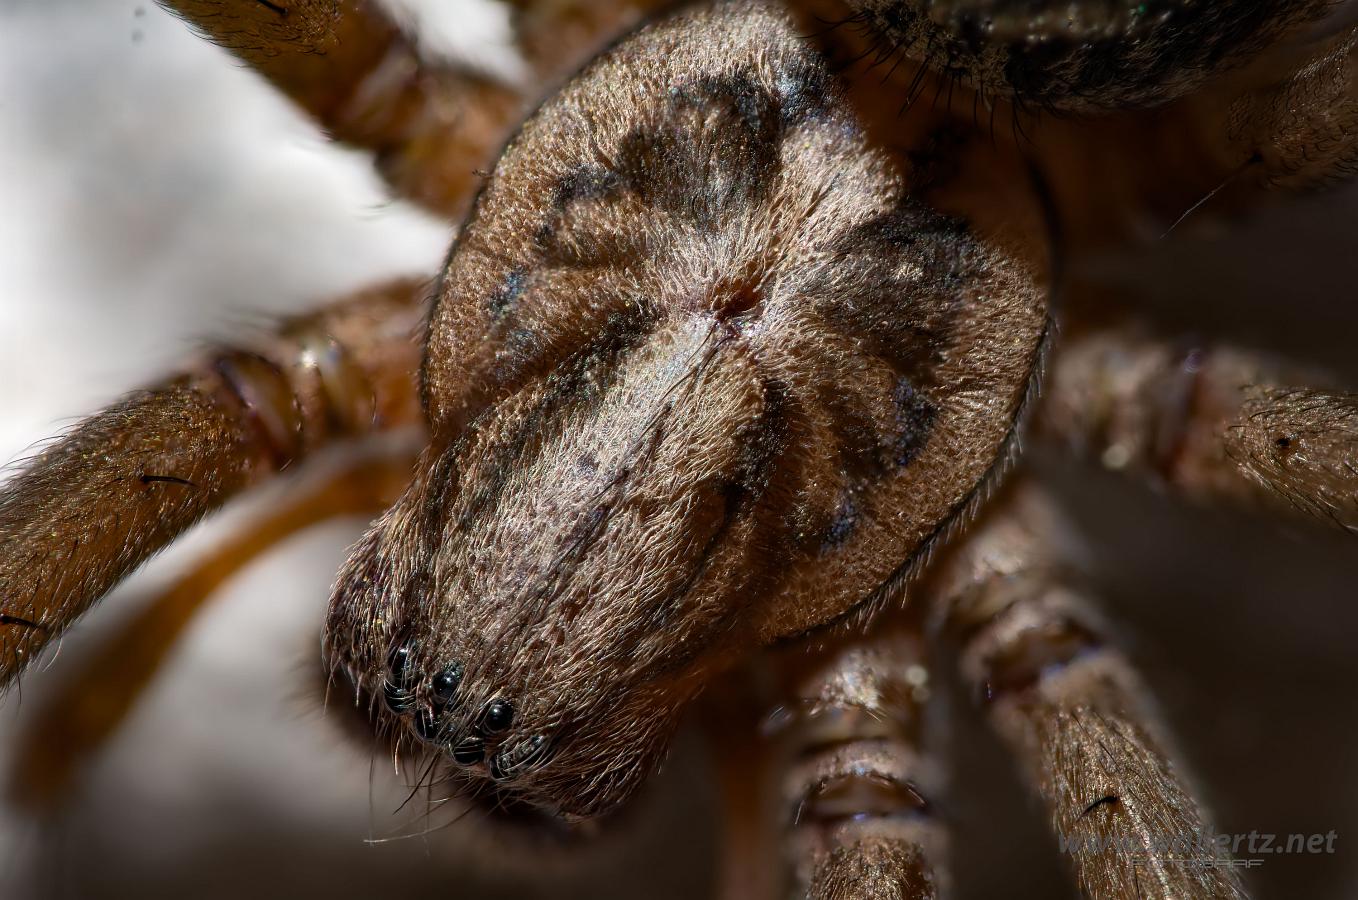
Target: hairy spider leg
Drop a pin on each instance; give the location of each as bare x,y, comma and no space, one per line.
75,723
1073,711
855,798
1300,131
1215,422
434,124
124,483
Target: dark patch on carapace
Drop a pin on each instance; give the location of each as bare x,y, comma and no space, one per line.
586,184
806,94
508,293
761,445
842,524
715,147
582,379
915,418
909,253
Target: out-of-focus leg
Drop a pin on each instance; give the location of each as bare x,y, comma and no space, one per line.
1217,423
1300,131
746,770
125,482
1073,712
75,722
433,124
855,778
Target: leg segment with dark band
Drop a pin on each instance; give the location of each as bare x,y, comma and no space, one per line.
127,481
73,726
1073,712
433,124
856,781
1216,422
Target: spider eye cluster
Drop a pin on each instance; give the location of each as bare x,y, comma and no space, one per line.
438,716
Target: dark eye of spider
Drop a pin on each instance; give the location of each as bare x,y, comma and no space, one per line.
398,665
469,752
445,683
427,725
396,698
396,686
498,716
508,762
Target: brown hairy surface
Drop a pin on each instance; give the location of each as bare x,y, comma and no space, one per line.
883,871
736,341
1215,421
1073,711
1085,56
124,483
727,382
859,788
1304,132
60,549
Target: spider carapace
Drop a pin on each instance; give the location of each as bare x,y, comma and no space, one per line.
740,335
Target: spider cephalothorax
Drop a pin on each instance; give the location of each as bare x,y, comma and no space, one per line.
725,387
738,338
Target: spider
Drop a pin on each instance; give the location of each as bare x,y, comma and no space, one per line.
646,462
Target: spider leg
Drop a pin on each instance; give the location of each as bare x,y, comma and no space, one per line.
75,722
125,482
433,123
1074,712
1301,132
1215,422
856,781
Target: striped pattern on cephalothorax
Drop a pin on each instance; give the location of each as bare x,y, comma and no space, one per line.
725,386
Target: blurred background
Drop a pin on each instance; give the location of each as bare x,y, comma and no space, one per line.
155,194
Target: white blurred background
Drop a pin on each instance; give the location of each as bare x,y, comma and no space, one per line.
153,193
